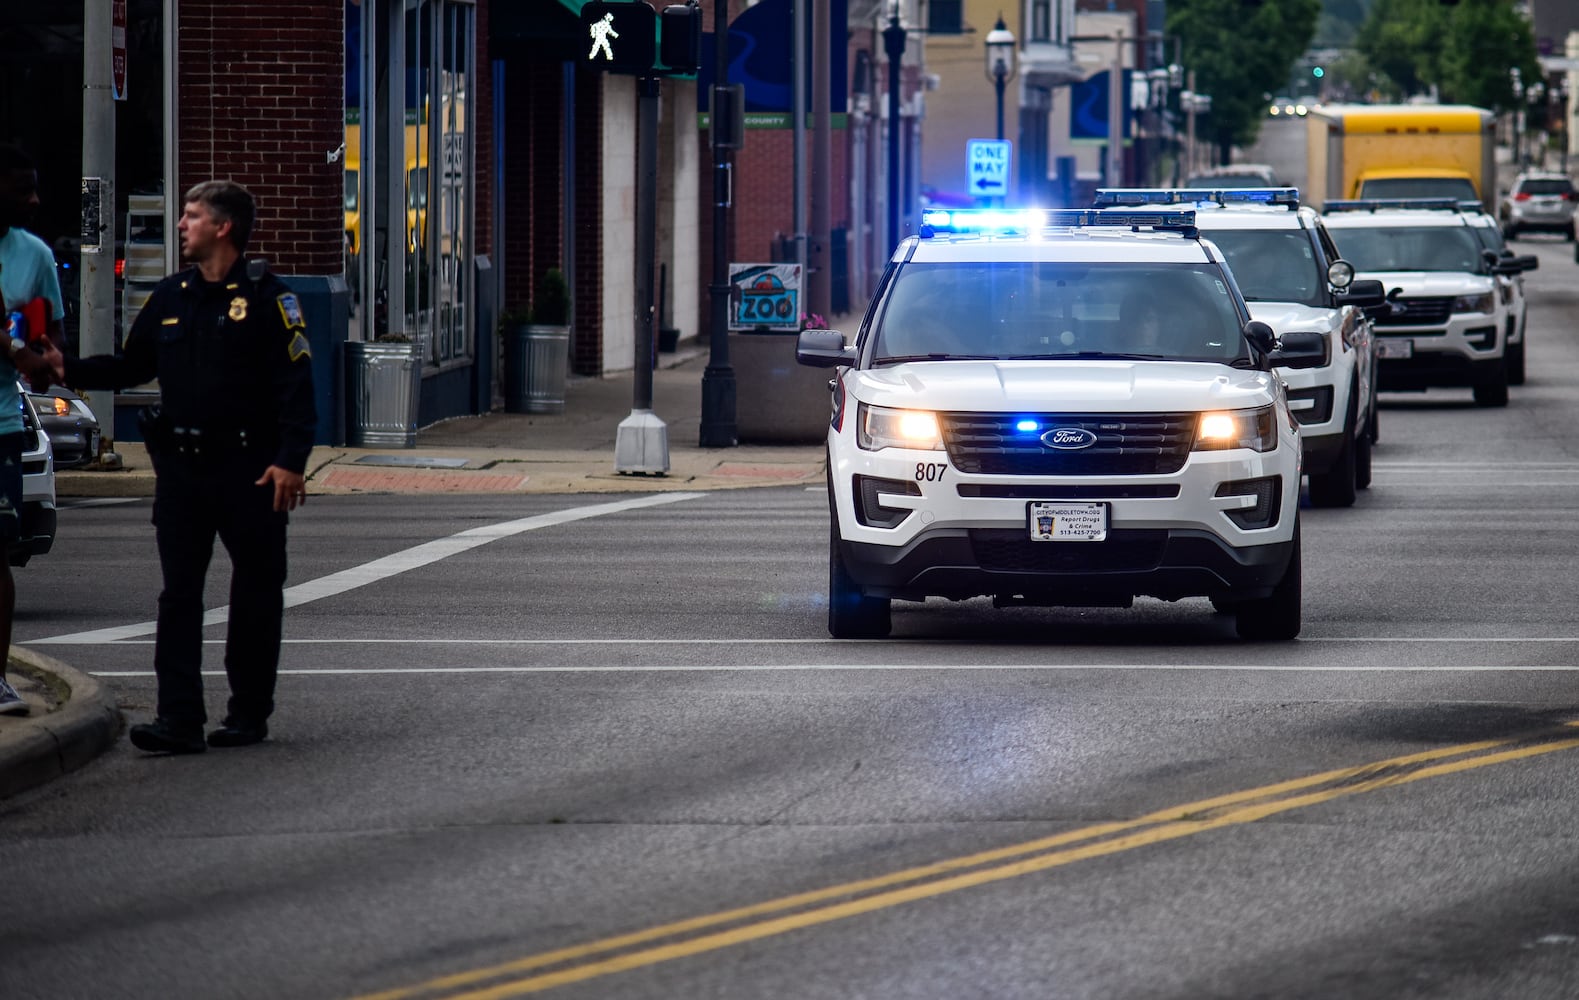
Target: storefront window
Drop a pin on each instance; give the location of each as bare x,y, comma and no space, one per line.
421,280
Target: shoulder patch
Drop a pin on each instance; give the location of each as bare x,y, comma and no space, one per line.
298,347
291,311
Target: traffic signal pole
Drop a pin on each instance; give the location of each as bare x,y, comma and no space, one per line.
641,443
718,378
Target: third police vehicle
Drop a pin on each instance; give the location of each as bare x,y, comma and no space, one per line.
1450,320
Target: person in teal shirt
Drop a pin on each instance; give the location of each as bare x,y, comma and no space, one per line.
27,273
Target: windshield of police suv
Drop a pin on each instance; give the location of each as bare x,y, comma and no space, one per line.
1410,248
1014,310
1457,188
1272,265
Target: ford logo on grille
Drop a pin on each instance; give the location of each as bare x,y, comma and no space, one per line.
1069,438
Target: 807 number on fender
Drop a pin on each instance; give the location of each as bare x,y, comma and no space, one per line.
930,472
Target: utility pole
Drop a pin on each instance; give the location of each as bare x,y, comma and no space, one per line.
96,328
818,276
718,428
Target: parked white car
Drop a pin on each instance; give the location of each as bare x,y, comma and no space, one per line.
38,488
1075,409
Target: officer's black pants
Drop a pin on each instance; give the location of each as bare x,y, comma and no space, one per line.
195,499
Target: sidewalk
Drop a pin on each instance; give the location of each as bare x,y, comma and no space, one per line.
569,452
74,718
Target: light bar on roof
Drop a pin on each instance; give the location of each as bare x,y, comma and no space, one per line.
1082,218
1221,196
1382,204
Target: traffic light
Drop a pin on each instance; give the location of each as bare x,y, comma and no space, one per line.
623,36
680,45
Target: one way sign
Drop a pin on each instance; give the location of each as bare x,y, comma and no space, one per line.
987,163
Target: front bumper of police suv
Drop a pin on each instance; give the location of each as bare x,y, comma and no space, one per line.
1081,508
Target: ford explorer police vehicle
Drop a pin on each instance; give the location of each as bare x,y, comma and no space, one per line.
1294,281
1511,285
1449,325
1074,408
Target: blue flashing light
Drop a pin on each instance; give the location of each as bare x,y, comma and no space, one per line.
937,219
1027,426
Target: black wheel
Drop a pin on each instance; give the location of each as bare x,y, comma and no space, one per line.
1576,253
1493,390
1335,487
1510,232
1276,616
851,614
1362,461
1515,362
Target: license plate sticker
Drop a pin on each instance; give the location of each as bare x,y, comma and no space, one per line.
1392,348
1068,522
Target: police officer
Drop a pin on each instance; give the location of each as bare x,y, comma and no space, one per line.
229,444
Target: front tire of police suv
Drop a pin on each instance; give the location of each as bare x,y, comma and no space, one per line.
1493,390
1516,364
1336,486
1276,616
851,613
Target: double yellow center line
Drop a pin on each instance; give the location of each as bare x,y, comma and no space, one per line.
713,931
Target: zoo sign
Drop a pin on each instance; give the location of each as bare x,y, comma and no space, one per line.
764,297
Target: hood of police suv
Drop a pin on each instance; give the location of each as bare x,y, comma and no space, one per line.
1289,317
1062,385
1417,284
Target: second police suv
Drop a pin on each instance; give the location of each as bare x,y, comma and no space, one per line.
1290,273
1067,408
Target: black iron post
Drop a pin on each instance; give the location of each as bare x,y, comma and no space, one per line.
894,46
998,81
718,378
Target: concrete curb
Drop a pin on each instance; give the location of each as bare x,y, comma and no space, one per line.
48,745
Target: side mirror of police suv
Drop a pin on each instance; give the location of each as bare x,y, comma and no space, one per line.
823,349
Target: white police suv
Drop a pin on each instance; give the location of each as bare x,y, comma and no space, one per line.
1291,276
1450,318
1072,409
1511,285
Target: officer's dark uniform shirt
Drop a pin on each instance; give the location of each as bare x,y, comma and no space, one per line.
229,356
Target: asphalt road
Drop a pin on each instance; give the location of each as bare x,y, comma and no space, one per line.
613,753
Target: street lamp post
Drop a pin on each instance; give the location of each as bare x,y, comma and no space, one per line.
1000,62
894,47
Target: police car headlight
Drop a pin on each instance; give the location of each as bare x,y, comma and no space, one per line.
1223,429
882,427
1483,303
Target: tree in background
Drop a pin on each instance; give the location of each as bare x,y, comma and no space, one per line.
1240,50
1465,51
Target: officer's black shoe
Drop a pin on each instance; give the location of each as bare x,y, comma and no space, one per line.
236,734
160,736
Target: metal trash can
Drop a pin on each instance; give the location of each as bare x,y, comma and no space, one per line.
547,366
386,384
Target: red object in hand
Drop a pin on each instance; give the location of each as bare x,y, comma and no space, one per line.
37,314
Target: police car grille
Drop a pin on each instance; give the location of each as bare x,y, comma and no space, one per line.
1127,444
1432,311
1002,550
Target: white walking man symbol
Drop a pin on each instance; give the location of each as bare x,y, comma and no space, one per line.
601,32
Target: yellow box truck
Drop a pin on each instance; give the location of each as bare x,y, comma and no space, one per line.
1401,151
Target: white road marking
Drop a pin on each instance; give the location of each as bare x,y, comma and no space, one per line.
901,641
1380,668
381,569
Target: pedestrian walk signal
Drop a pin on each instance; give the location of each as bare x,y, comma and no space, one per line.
620,37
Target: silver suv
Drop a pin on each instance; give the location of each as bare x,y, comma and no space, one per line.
1538,202
1294,281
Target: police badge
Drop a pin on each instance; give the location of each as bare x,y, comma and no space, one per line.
238,309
